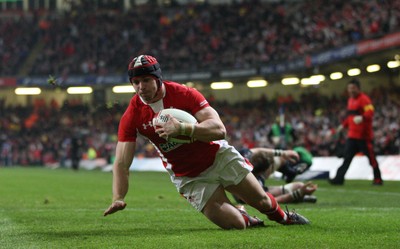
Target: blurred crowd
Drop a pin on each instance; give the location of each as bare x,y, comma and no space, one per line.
243,34
44,133
197,37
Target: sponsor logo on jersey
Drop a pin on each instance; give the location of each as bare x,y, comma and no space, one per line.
169,146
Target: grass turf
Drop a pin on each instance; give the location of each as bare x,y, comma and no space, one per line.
44,208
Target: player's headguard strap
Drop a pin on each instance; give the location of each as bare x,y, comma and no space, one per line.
144,65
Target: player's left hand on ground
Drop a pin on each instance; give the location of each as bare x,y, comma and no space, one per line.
291,156
358,119
114,207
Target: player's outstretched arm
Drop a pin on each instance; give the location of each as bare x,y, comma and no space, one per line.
285,155
124,155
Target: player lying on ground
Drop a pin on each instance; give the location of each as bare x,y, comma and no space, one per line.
291,168
265,164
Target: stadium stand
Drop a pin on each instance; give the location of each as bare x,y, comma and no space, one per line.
239,35
243,34
41,134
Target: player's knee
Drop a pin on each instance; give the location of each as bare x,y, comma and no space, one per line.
237,224
240,226
234,222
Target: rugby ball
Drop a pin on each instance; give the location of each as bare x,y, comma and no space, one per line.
181,116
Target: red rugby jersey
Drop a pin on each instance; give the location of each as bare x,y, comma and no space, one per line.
360,105
185,159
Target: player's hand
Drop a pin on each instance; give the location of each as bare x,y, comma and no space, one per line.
171,127
167,129
308,188
358,119
290,155
114,207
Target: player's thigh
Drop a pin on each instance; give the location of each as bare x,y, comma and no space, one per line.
249,190
351,147
220,210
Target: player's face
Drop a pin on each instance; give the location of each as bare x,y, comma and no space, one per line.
146,87
353,90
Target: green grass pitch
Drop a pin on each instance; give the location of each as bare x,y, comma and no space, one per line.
47,208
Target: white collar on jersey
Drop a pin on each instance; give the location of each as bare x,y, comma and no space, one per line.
159,104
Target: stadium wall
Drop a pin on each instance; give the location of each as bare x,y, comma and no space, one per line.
359,168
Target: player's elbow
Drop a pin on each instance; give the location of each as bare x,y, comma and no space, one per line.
213,131
217,133
221,133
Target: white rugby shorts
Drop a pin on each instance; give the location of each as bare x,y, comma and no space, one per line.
229,168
